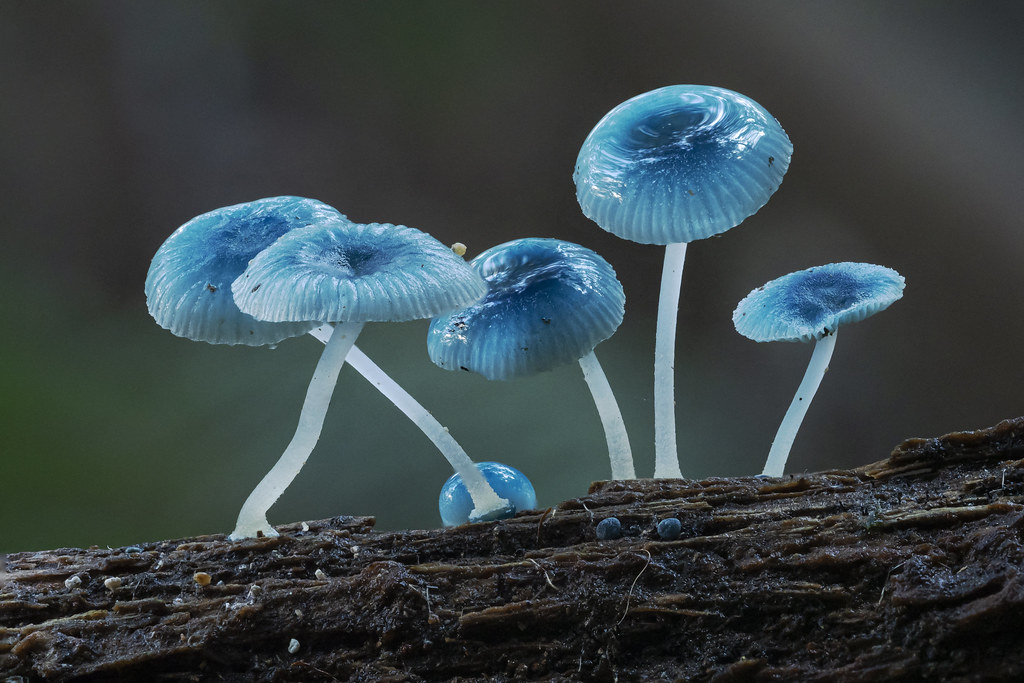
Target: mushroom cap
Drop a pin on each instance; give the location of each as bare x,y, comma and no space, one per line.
812,303
609,529
340,271
188,288
455,504
680,163
548,303
669,529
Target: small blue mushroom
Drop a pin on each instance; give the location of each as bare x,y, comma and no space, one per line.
188,287
456,505
549,302
670,166
812,304
609,529
669,529
346,274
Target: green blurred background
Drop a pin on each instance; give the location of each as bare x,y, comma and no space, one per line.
121,120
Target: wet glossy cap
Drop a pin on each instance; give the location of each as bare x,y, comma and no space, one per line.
548,303
455,504
680,163
188,288
812,303
348,272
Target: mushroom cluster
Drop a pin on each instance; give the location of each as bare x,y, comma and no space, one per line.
260,272
670,166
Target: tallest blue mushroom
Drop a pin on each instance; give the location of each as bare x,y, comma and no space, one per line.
670,166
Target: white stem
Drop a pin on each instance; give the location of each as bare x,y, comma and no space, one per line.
486,502
783,442
619,453
666,457
253,517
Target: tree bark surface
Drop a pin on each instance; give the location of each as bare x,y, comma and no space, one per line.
907,569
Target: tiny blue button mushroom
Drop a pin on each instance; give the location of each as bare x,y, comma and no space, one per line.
456,506
669,529
609,529
347,274
671,166
810,305
188,287
549,302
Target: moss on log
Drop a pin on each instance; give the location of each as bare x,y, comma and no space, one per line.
906,569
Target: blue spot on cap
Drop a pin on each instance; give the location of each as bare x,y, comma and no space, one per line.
548,303
811,303
188,287
680,163
455,504
348,272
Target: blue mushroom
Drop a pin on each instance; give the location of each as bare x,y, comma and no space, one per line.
188,287
812,304
456,505
548,303
609,529
670,166
669,529
344,274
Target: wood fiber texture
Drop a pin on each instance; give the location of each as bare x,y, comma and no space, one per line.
903,570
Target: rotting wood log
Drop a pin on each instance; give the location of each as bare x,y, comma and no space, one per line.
911,568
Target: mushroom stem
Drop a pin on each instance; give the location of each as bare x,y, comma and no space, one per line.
619,452
666,457
485,501
252,519
784,438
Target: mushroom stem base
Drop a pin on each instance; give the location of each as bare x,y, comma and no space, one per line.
487,503
779,453
252,519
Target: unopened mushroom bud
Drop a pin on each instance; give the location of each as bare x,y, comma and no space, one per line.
669,529
609,529
456,505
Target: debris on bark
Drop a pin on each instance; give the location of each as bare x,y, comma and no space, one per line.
911,568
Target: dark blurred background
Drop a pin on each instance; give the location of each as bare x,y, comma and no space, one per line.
121,120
